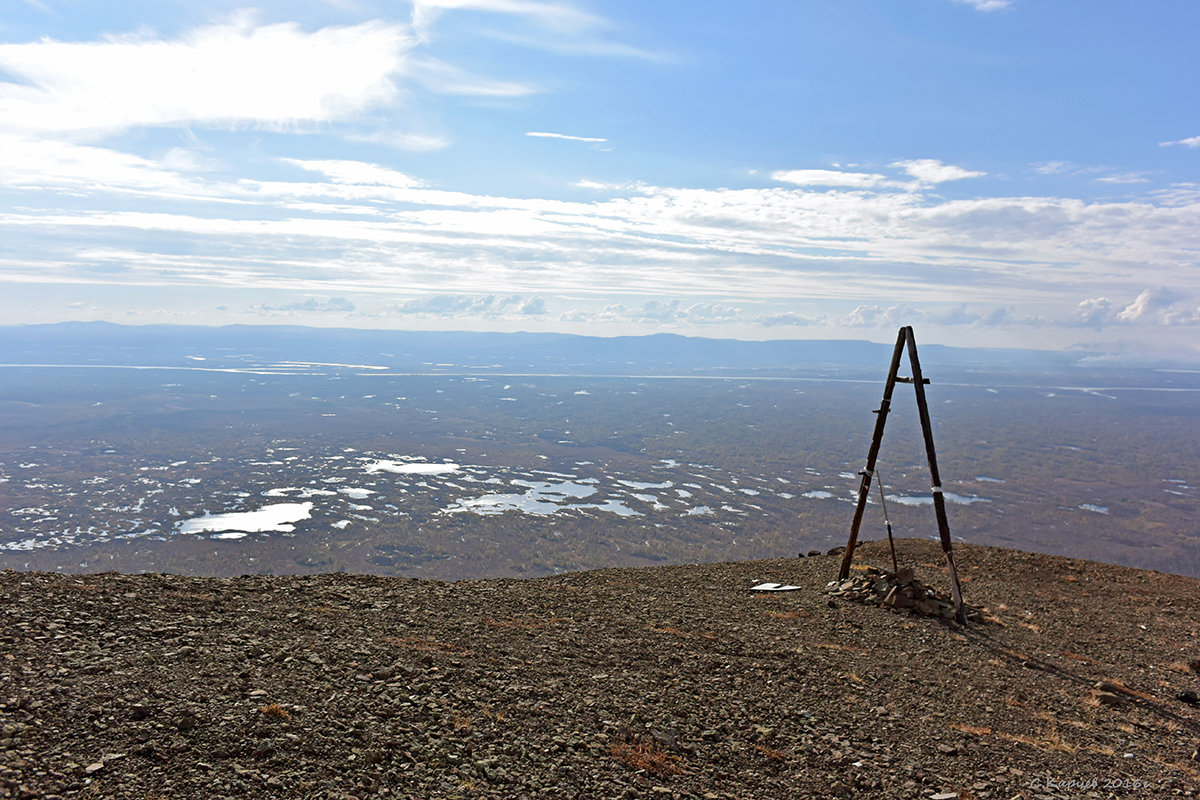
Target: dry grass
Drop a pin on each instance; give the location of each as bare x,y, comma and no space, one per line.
1117,687
1048,741
772,753
645,755
424,645
974,730
274,711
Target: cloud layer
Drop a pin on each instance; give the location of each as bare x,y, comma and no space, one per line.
221,75
113,180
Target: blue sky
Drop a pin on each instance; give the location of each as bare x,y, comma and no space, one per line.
993,172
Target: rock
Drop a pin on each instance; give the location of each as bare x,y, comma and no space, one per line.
927,607
1108,698
94,767
836,551
1188,696
666,741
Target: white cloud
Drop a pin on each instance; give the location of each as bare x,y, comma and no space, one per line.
357,172
986,5
490,306
661,313
332,305
1147,302
1095,311
1151,306
1124,178
827,177
400,140
446,78
555,27
1053,168
45,164
556,16
787,318
873,316
227,76
930,170
353,229
545,135
1191,141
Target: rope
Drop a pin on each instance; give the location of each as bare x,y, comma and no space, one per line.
888,522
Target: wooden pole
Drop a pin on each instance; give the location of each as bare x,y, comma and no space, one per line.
864,486
939,501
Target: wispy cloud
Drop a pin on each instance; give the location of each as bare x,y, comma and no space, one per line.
445,78
661,312
1053,167
1124,177
545,135
324,229
1191,141
555,16
986,5
357,173
556,27
488,306
402,140
827,177
930,170
332,305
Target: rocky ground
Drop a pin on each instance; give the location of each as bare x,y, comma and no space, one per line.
672,682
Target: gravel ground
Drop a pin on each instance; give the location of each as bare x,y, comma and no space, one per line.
671,682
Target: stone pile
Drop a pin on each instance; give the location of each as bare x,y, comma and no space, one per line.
897,590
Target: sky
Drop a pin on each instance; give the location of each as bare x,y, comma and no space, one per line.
1004,173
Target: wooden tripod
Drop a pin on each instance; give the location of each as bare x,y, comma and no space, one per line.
906,338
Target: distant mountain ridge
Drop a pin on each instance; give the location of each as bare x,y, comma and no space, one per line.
662,353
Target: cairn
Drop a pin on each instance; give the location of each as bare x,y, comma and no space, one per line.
899,590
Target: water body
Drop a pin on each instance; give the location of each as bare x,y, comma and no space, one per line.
276,518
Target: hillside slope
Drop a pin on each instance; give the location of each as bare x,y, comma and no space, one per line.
660,682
